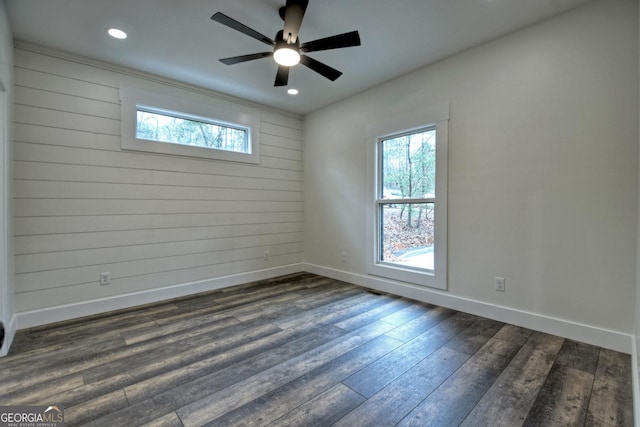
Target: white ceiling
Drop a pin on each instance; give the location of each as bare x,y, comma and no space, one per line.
177,38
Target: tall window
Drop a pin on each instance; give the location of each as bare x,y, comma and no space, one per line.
407,223
406,199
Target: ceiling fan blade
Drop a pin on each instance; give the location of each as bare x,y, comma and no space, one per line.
320,68
282,77
232,23
334,42
293,14
245,58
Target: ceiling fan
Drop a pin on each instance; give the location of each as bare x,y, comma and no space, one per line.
287,49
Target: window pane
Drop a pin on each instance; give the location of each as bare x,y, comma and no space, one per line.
409,165
407,231
177,130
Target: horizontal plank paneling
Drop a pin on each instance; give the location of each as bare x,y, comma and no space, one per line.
227,252
34,189
61,119
280,141
84,206
41,79
281,153
134,160
24,132
205,225
72,294
286,132
79,173
68,103
84,241
53,207
76,258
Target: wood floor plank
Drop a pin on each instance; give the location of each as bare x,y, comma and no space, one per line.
169,420
431,317
611,399
405,392
14,377
578,355
189,372
452,401
220,380
72,330
93,409
415,309
218,404
474,337
117,379
322,410
38,394
74,360
303,349
202,324
334,311
510,398
563,399
214,308
68,351
300,302
378,374
389,306
196,343
279,402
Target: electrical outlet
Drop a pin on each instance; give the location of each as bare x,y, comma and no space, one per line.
500,284
344,257
267,256
105,278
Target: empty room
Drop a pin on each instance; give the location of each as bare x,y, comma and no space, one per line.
319,213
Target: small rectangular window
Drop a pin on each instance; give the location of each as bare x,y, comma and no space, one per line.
178,125
177,128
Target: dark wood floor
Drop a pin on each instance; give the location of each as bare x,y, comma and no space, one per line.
305,350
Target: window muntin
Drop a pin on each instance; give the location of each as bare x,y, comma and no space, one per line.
406,199
179,128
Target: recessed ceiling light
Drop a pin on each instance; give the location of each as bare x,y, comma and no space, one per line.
292,91
117,34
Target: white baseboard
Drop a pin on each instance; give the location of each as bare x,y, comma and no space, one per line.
28,319
589,334
9,334
580,332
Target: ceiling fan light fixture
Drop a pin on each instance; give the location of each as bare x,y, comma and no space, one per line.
117,33
286,56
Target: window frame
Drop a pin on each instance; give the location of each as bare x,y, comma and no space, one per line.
438,118
381,201
133,99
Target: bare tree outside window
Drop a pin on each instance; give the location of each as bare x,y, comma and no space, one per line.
407,200
179,130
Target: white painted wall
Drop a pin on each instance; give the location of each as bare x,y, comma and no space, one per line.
6,260
162,226
543,171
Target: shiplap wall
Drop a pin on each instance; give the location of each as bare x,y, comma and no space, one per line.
84,206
